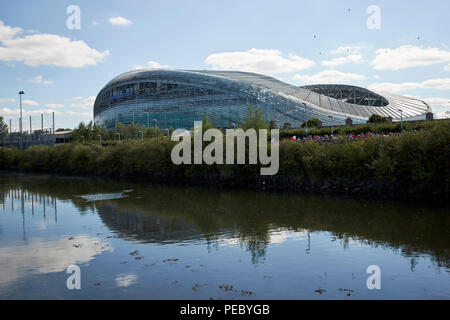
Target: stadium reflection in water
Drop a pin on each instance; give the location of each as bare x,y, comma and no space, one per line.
159,242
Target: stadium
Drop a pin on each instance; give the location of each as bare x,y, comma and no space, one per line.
176,98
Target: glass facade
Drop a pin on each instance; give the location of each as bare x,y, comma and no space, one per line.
177,98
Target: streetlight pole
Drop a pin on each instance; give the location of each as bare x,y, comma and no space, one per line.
142,135
118,133
100,136
20,120
401,120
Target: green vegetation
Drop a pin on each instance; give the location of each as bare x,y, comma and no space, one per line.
365,128
412,165
312,123
254,120
375,118
90,133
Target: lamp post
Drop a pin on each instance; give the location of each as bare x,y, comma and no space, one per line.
20,120
401,120
156,128
142,135
83,139
118,133
100,136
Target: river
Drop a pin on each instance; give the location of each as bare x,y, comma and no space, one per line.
143,241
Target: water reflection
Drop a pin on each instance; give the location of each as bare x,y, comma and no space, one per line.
41,256
162,215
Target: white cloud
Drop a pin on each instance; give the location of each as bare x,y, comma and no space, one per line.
154,64
46,49
7,32
438,102
29,103
437,84
408,57
447,68
151,64
330,76
85,103
40,80
54,105
95,23
349,49
377,76
266,61
35,113
7,100
120,21
41,256
25,103
125,280
353,58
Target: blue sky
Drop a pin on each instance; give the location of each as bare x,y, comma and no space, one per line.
300,42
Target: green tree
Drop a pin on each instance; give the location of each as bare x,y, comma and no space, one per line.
206,124
312,123
254,120
375,118
121,129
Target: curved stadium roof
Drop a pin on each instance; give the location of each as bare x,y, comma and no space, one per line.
341,101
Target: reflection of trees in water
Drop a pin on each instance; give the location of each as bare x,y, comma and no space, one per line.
256,244
161,213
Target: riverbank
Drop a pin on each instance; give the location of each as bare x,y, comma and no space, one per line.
413,165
